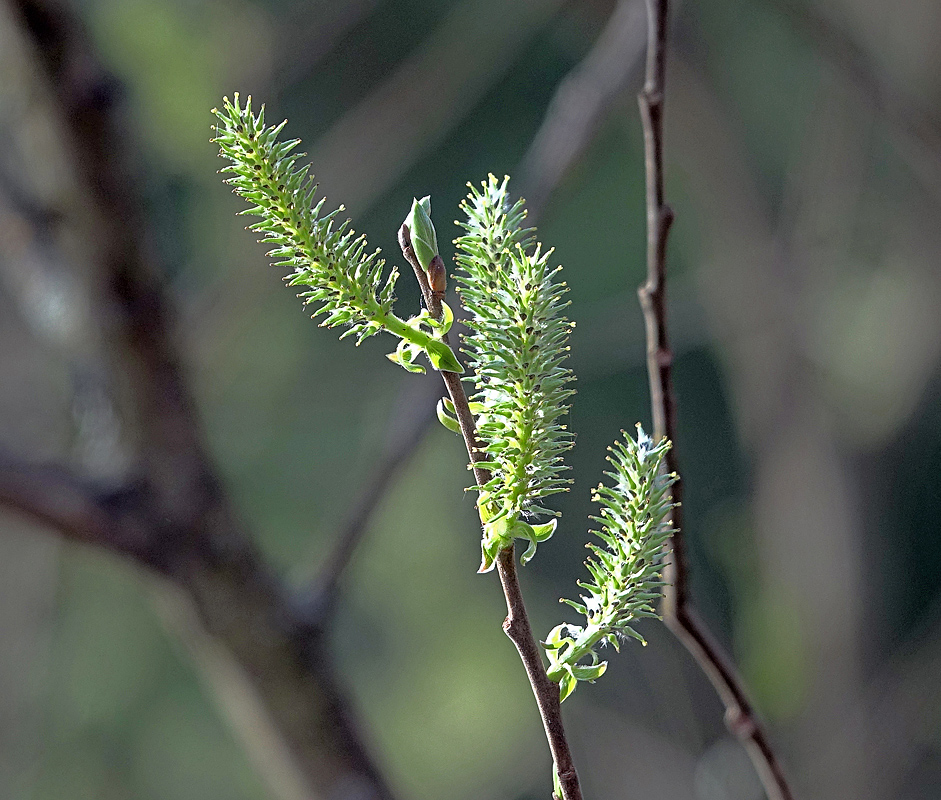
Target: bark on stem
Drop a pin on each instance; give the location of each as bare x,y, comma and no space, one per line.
678,613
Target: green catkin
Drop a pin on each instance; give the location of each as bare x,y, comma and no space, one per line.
340,278
626,572
517,348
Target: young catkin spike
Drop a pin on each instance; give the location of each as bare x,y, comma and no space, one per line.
517,348
343,276
340,277
626,571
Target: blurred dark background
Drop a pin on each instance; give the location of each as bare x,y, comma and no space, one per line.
804,162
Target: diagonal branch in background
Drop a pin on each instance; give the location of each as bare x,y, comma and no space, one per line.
177,519
580,103
410,424
310,32
377,141
678,612
916,132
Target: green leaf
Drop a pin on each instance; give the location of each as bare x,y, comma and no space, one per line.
446,321
485,508
544,532
567,685
556,639
405,355
500,528
530,552
445,419
488,554
589,673
442,358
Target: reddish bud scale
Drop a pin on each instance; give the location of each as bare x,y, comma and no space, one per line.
437,277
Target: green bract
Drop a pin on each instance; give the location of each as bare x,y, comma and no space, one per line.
626,572
517,346
344,280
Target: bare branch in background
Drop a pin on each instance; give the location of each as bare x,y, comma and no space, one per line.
412,419
917,133
311,32
178,518
377,141
678,612
53,496
581,102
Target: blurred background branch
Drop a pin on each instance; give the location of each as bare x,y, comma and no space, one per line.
180,522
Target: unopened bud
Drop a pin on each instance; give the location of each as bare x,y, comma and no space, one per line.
422,232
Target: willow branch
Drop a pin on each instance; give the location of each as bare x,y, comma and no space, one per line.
678,612
516,625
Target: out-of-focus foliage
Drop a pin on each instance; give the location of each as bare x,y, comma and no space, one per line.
804,294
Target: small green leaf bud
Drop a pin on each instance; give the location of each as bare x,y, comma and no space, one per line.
446,419
422,232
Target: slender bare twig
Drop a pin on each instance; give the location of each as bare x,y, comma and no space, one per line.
516,625
678,612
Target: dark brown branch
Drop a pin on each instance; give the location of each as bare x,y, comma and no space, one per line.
52,495
178,520
678,613
516,625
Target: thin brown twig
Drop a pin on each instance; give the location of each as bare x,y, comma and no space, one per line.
516,625
678,612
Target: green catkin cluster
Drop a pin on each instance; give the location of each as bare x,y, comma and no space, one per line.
343,279
517,347
626,572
